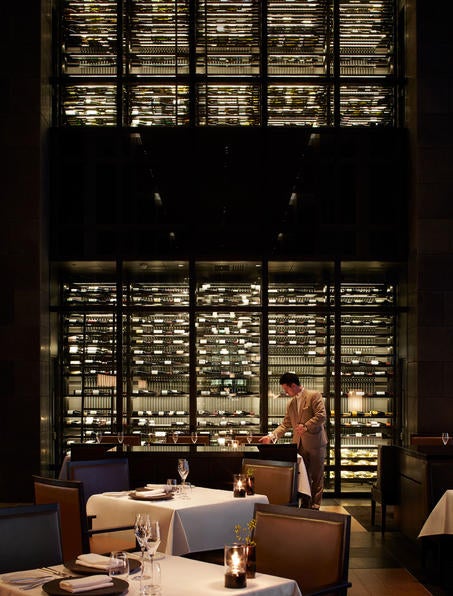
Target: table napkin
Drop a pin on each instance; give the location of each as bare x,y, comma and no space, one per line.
152,493
93,560
25,578
83,584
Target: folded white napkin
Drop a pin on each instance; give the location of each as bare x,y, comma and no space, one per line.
93,560
154,486
26,577
83,584
151,493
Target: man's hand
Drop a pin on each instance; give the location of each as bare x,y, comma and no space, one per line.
265,439
301,429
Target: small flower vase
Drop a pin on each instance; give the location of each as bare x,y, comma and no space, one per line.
250,485
251,560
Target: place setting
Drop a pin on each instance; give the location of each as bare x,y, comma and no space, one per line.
103,575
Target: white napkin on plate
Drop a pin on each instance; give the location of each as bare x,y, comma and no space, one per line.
93,560
83,584
152,493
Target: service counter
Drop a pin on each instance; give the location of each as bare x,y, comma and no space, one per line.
210,466
426,472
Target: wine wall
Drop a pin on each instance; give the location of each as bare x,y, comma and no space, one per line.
179,351
227,62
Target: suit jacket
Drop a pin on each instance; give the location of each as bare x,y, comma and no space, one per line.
312,414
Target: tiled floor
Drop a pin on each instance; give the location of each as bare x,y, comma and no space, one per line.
385,565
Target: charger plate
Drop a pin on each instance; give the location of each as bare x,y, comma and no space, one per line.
53,588
141,496
134,565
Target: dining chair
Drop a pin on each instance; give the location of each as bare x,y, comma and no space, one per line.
275,479
101,475
30,537
307,545
386,488
76,533
84,451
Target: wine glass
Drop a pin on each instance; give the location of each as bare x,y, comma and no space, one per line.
152,544
142,529
119,564
249,436
183,471
175,437
194,437
120,437
445,438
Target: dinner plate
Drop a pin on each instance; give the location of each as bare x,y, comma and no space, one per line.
53,588
143,497
134,565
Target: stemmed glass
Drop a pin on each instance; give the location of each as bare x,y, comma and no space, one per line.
152,544
175,437
249,436
445,438
120,437
142,530
194,437
183,471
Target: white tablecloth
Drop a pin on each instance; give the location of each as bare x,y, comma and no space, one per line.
303,484
191,578
440,520
205,521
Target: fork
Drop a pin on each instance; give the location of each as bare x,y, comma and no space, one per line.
56,572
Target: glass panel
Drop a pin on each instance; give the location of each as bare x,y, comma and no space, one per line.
228,104
298,38
89,105
228,284
159,37
158,283
369,105
366,38
228,366
158,383
302,105
164,105
89,365
89,38
228,37
367,415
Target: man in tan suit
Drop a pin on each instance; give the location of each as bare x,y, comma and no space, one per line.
306,415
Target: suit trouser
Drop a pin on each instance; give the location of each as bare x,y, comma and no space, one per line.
314,462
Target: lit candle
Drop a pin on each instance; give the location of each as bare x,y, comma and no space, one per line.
235,566
239,484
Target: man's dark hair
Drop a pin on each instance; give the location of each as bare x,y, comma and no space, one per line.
288,378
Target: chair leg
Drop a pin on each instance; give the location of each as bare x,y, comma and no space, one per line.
383,516
373,512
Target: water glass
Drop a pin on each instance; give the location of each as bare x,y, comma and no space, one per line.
119,564
153,585
172,485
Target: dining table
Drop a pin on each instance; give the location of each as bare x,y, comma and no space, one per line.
440,520
179,575
204,520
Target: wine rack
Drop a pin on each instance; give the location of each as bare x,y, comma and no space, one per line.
158,357
367,416
217,62
174,348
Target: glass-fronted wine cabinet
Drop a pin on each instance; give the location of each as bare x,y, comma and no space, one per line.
151,348
223,62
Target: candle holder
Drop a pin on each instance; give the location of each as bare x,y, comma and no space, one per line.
239,485
235,558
